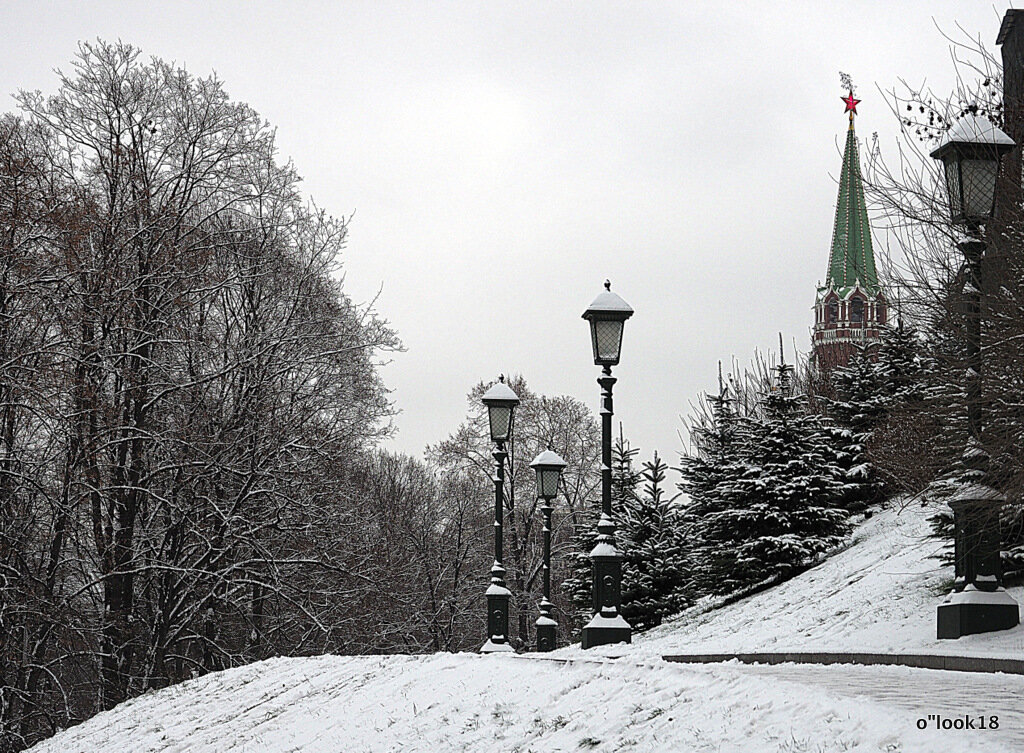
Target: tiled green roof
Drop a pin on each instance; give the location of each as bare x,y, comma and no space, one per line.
852,259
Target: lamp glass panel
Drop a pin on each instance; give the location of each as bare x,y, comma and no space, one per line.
979,181
501,420
547,482
607,340
952,165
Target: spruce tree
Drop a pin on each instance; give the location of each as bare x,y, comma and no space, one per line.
858,406
716,457
780,503
712,437
648,535
653,568
625,480
880,397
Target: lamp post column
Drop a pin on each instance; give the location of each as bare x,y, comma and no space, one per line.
607,382
548,466
970,506
970,153
607,625
607,316
547,626
498,594
973,249
501,403
976,505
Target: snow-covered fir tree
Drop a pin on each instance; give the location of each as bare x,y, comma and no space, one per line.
855,411
769,499
712,436
715,457
649,534
888,413
654,572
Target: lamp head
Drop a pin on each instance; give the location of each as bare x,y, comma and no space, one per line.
607,316
501,403
970,153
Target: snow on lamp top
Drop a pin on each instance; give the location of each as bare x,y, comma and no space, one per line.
500,401
606,315
608,305
500,392
548,466
548,459
973,129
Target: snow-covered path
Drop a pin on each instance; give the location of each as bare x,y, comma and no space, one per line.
509,704
918,692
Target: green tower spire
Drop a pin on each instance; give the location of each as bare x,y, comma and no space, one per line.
852,259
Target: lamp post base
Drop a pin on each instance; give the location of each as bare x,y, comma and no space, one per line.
972,611
547,634
490,647
497,618
601,631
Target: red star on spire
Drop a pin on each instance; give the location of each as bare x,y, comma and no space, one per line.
851,103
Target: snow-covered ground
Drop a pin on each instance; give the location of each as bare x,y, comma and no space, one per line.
878,595
502,704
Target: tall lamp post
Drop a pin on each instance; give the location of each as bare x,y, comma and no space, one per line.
970,153
501,404
548,466
607,316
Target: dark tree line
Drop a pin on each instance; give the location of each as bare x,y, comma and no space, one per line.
186,394
190,410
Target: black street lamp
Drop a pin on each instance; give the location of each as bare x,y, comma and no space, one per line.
607,316
970,153
549,471
501,404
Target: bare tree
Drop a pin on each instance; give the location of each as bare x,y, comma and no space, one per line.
185,394
561,423
938,287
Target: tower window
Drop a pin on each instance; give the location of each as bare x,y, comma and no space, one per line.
832,312
857,310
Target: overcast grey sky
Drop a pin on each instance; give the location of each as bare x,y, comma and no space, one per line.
503,159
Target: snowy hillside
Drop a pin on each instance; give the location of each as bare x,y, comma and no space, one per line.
879,594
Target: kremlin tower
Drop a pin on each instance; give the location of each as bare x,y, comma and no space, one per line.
850,308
